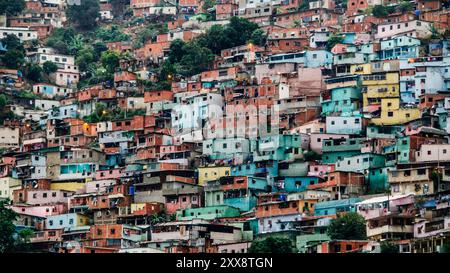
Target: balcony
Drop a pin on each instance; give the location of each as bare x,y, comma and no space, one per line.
178,191
341,82
339,146
389,229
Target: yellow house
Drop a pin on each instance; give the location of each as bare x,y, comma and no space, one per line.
393,114
361,69
379,86
7,186
67,186
206,174
82,220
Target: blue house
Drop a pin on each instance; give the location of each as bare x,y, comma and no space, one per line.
336,206
399,48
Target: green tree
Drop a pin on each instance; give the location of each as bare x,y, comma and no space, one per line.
13,58
176,52
380,11
405,6
111,34
110,60
3,101
118,6
243,29
84,15
84,58
101,113
11,7
196,59
15,54
215,39
167,71
388,247
334,40
207,4
350,226
272,245
49,67
12,42
33,72
60,39
99,48
7,228
258,37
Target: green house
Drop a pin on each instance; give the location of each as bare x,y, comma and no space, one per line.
207,213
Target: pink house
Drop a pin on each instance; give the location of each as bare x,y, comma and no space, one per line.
182,201
109,174
339,49
320,170
41,197
41,211
99,186
317,139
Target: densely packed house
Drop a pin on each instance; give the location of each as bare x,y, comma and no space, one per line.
339,110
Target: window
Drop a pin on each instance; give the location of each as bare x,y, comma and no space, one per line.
337,248
113,231
390,114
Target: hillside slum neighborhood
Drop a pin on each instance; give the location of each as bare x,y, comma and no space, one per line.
187,126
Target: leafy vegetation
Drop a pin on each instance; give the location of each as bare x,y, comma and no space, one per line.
4,114
350,226
33,72
103,113
15,56
195,56
380,11
149,33
334,40
10,239
85,15
49,67
11,7
111,34
272,245
388,247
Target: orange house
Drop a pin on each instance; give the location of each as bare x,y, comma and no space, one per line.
428,100
132,124
341,246
225,10
153,96
284,208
